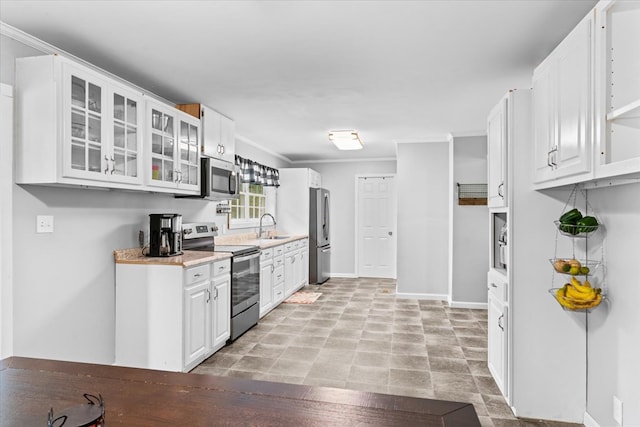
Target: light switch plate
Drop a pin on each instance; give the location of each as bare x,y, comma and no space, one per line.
44,224
617,410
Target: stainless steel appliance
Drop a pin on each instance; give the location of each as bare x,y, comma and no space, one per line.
319,242
245,274
219,179
165,235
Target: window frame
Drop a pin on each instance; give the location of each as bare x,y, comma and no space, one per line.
269,197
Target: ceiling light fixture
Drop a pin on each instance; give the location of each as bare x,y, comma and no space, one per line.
345,139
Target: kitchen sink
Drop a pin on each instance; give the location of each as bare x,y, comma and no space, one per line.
275,237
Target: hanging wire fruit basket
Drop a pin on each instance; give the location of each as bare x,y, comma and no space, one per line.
574,267
574,222
577,294
583,304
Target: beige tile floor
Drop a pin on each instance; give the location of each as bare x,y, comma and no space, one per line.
359,336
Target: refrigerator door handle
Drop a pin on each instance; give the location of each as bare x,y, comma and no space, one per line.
326,250
325,225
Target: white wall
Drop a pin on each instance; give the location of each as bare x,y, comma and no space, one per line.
423,219
339,179
470,239
6,221
64,291
614,328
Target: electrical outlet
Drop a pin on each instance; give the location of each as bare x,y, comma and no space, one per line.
44,224
617,410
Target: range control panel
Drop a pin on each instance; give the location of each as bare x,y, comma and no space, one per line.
202,229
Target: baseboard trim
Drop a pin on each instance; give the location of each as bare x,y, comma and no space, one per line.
344,275
589,421
439,297
472,305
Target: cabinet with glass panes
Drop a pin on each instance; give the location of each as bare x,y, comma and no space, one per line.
76,126
174,157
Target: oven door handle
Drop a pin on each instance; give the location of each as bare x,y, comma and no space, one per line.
245,258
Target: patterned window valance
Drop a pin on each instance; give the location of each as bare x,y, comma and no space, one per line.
255,173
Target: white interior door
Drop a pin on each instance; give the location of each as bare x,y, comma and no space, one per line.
376,226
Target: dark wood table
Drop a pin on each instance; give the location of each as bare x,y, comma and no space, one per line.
141,397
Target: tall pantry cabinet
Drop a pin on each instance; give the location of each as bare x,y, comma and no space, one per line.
527,334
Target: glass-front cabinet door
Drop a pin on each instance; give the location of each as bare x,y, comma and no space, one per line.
84,132
189,158
126,158
174,157
102,138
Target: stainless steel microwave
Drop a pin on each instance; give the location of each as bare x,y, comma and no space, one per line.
220,180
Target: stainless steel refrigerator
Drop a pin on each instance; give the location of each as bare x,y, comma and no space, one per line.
319,242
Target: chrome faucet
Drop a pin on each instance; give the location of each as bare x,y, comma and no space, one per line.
260,229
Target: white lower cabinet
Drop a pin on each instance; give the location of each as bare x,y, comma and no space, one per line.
303,266
290,272
197,316
283,270
171,318
273,277
296,266
221,316
266,281
497,346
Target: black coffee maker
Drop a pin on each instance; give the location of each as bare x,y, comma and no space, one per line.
165,234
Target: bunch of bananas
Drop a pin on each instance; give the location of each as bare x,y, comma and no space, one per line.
578,296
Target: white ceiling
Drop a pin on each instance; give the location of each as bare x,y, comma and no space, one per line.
289,71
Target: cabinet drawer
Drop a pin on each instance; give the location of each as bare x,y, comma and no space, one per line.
278,250
196,274
289,246
497,286
278,294
278,261
278,275
266,254
221,267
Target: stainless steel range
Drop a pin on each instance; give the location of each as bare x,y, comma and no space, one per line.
245,273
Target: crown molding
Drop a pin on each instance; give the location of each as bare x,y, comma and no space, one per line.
468,133
247,141
49,49
377,159
31,41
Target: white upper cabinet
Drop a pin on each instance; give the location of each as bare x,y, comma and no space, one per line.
617,86
218,132
497,155
76,126
586,98
173,162
562,99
